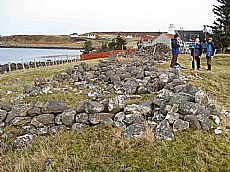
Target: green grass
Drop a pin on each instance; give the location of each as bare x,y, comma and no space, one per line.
16,80
97,149
102,149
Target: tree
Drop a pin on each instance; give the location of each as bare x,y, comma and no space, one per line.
117,43
221,26
104,47
88,47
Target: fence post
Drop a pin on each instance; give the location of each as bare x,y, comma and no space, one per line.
9,64
35,64
23,65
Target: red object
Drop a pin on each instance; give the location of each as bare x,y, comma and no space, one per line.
145,38
104,54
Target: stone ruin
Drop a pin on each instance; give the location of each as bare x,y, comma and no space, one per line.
177,106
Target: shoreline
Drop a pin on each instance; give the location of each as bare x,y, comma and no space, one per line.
41,47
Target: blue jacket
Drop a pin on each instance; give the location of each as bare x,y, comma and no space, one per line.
196,50
210,49
175,46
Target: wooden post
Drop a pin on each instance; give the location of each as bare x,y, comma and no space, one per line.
9,64
154,50
35,64
45,62
23,65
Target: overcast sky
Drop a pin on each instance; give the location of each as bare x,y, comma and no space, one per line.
68,16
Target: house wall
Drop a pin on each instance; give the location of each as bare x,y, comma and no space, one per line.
163,39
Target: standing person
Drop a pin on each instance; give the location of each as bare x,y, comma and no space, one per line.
209,50
175,50
196,53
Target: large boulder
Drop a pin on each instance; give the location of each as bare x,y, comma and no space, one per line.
135,131
130,87
5,107
172,117
164,78
10,116
133,109
163,131
35,109
68,117
146,108
116,104
93,107
119,120
180,125
43,120
193,122
21,121
81,107
97,118
19,110
114,78
82,118
142,90
201,98
164,93
203,118
53,106
188,108
134,119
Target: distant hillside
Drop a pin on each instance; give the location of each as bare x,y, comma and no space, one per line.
124,34
41,41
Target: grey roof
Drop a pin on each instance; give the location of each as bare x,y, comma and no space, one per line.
190,35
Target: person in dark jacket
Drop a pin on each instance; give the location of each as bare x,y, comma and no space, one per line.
175,50
196,52
209,50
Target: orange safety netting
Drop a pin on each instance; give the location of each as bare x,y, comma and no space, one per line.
104,54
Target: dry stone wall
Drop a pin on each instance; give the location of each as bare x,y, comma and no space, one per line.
178,106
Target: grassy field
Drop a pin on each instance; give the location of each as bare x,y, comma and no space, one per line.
102,149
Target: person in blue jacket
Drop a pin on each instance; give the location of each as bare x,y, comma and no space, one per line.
210,51
196,52
175,50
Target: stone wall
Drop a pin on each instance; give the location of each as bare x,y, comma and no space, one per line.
177,106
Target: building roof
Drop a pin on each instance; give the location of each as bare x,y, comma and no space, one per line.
170,36
190,35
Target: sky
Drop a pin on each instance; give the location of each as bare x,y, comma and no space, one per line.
81,16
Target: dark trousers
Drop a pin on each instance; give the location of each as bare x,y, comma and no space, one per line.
209,62
174,60
197,63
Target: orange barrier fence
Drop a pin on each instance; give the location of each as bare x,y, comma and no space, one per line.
104,54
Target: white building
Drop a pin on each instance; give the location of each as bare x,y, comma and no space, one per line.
171,29
91,36
129,36
74,35
164,38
